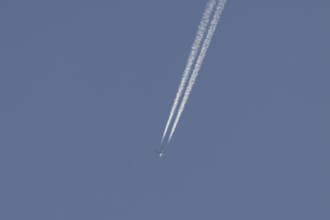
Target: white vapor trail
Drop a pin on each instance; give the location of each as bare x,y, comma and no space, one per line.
193,54
199,62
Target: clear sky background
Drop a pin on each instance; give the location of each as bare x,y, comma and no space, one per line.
86,88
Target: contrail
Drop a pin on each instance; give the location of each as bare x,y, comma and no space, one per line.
192,56
199,62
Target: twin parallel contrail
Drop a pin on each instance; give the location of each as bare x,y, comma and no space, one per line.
195,48
199,62
192,56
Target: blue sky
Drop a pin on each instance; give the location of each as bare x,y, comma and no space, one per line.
86,88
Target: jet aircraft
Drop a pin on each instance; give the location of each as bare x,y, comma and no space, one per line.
160,152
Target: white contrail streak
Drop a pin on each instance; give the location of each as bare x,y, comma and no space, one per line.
199,62
193,53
